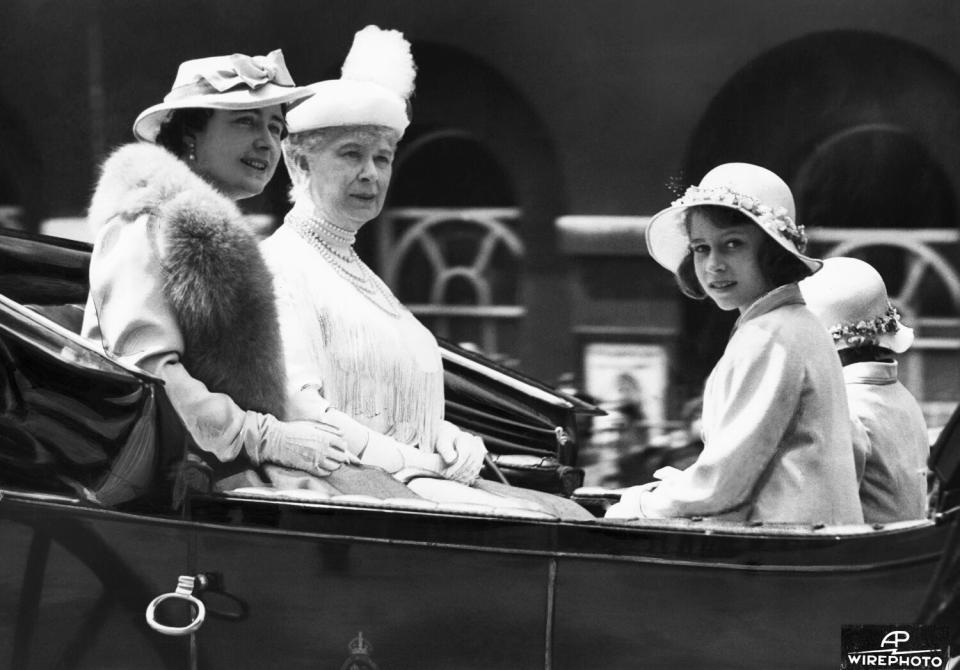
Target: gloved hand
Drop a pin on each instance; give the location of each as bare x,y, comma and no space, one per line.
629,505
373,448
312,446
462,453
307,404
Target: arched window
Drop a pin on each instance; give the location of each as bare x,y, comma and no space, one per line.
449,244
467,238
866,136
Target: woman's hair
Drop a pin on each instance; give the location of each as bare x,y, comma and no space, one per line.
302,145
777,265
866,353
180,124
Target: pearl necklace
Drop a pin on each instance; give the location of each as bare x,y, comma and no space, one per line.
345,262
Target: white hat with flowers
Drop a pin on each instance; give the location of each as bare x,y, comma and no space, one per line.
234,82
754,191
377,80
850,298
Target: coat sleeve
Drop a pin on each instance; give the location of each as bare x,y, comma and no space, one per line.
753,396
129,317
862,444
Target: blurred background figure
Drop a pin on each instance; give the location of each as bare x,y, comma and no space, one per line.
678,448
568,383
617,437
630,408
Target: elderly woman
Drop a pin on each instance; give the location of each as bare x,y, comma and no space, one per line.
355,356
177,283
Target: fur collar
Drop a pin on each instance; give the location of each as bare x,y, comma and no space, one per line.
213,274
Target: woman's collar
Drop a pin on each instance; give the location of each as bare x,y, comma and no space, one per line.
877,373
305,215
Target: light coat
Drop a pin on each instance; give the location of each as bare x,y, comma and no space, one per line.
891,442
178,288
777,436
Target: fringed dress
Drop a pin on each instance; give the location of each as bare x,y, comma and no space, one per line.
346,334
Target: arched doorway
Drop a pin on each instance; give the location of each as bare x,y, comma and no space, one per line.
866,130
467,236
450,244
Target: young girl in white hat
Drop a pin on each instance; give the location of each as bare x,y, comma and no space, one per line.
777,445
890,434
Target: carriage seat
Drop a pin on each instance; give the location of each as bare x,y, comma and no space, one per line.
543,473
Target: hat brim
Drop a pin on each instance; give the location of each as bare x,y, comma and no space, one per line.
668,242
899,341
148,123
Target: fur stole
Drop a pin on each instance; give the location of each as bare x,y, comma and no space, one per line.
214,277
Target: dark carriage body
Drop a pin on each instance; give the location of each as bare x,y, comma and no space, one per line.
88,540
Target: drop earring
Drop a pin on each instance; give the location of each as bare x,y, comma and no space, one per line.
191,153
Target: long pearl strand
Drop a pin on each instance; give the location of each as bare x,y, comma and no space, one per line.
335,244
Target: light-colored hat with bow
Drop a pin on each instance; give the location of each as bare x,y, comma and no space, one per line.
850,299
223,82
377,80
750,189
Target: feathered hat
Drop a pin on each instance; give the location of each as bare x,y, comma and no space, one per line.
375,84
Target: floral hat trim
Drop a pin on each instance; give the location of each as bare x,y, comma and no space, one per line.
867,332
774,219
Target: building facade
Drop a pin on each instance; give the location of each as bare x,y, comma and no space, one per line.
543,135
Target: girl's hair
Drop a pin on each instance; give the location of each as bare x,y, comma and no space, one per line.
180,123
777,265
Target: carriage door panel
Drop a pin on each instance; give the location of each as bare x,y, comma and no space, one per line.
352,601
75,583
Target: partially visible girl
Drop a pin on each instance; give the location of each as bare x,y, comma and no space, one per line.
890,436
777,438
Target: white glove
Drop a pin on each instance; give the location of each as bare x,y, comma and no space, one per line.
629,505
307,404
462,454
311,446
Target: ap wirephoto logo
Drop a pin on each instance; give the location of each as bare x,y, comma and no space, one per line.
884,647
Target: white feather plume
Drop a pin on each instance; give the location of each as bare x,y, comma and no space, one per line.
383,57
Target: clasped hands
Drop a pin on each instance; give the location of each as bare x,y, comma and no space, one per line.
322,439
462,454
317,447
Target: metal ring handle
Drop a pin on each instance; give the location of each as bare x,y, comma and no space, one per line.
176,630
184,592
